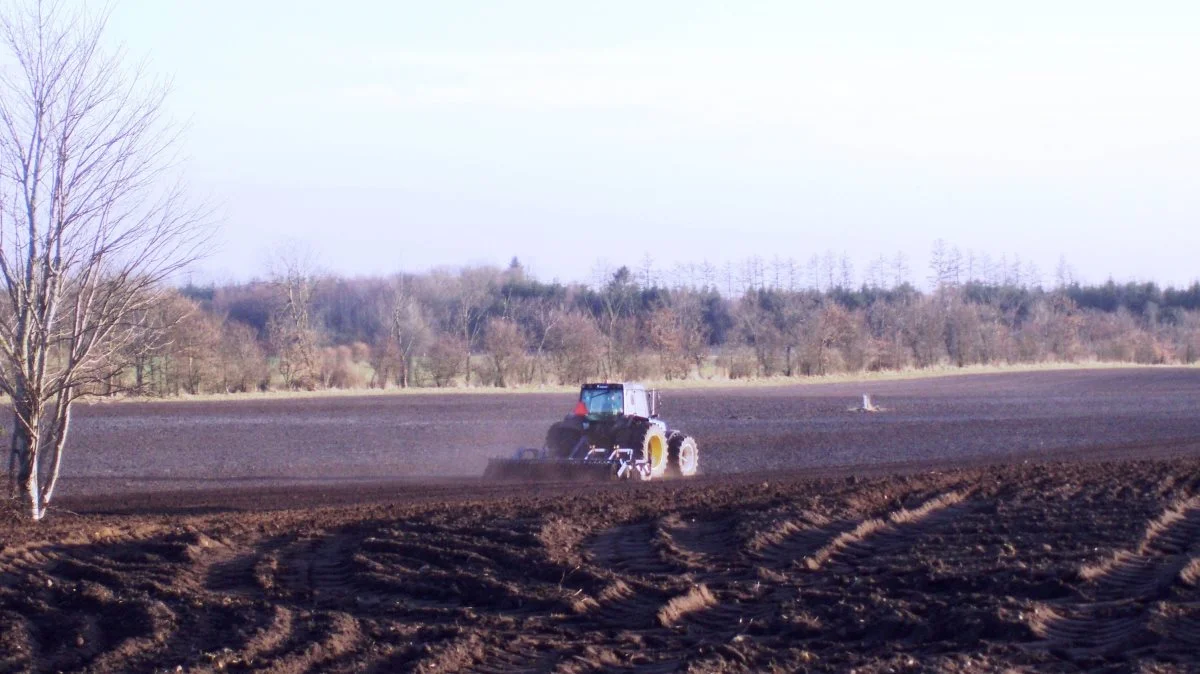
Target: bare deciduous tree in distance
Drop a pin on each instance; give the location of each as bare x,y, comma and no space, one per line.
293,337
88,235
407,330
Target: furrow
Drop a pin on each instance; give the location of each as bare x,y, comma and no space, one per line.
879,535
233,575
1184,631
147,628
630,548
270,638
1150,568
518,658
623,606
794,540
698,544
324,639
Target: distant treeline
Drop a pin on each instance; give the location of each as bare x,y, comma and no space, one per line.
486,326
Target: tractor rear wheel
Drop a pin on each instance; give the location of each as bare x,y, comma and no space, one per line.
650,444
683,456
562,438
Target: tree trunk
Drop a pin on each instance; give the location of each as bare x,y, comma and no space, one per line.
25,449
13,458
62,423
500,367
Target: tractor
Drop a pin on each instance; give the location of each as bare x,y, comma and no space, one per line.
613,432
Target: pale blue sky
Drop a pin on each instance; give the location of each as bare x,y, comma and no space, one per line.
406,135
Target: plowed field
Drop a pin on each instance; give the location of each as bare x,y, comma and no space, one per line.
1032,522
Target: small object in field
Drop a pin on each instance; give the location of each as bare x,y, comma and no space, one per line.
867,406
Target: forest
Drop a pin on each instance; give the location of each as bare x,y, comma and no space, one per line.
501,327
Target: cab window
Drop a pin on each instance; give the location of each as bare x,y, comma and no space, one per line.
603,402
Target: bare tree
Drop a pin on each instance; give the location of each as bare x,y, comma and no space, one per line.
578,347
667,340
708,275
293,337
408,330
242,361
471,306
506,345
760,329
616,318
847,268
193,342
445,359
1063,275
940,273
539,318
646,272
899,270
88,233
145,353
694,331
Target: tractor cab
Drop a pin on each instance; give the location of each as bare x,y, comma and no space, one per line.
599,402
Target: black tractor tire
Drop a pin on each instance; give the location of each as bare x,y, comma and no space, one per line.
650,442
562,438
683,456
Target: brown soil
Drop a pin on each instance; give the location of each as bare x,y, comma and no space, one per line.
1034,522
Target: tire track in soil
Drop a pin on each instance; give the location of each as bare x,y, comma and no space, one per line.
1127,597
796,538
699,544
270,638
637,557
664,666
453,572
683,547
315,645
281,636
737,609
477,653
332,575
1180,625
631,549
652,561
810,542
108,600
319,567
506,662
16,565
625,604
885,535
233,573
348,570
154,623
515,654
